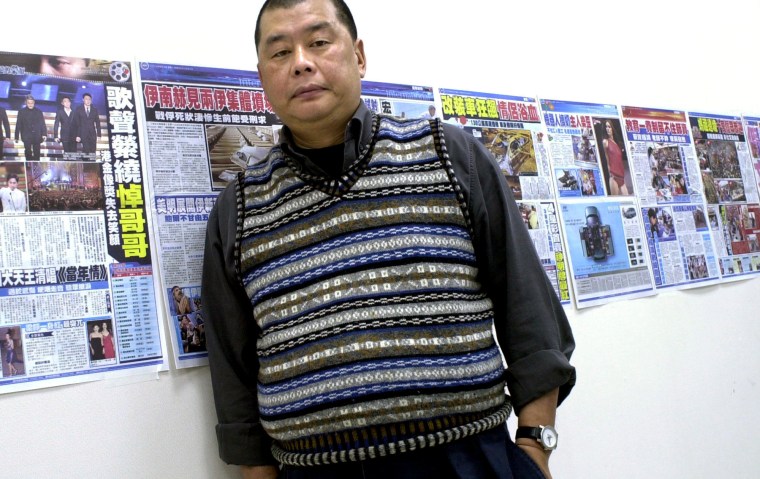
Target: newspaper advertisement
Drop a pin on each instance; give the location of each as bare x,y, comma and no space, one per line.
730,188
77,298
606,248
510,128
587,149
203,126
668,184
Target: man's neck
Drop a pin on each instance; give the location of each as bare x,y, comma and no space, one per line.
330,131
318,137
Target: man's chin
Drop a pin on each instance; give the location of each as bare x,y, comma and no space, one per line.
311,115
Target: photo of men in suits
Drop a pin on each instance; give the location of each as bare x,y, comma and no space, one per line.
86,125
30,126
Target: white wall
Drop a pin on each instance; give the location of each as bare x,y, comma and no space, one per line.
667,386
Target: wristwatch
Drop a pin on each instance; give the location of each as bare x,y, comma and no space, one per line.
545,435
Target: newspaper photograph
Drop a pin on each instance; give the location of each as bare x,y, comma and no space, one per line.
587,149
606,250
668,182
730,187
77,298
202,127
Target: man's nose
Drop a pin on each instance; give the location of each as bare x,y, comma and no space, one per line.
302,61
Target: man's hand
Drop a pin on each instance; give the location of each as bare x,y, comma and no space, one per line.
184,304
540,411
259,472
537,453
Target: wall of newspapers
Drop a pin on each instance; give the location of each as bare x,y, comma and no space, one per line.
109,170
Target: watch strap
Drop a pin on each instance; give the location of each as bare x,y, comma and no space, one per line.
546,436
528,432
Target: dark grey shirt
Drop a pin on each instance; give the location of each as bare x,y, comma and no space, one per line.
531,326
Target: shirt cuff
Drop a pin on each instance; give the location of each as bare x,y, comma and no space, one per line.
244,445
536,374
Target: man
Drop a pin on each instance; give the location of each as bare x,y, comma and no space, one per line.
586,152
350,288
430,113
30,127
13,199
5,131
62,128
182,303
532,218
655,227
86,124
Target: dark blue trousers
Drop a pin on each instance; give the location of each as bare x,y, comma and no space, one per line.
489,455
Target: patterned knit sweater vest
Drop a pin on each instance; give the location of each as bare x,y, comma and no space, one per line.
376,335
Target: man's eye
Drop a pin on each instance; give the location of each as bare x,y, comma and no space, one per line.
320,43
280,54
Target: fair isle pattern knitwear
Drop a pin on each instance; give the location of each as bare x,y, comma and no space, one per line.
376,335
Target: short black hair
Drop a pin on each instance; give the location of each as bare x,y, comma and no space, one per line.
86,94
341,9
12,176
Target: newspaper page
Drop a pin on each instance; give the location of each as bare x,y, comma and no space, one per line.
203,126
510,128
606,249
752,125
731,192
77,298
668,184
587,149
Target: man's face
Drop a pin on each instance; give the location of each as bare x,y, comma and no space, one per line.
12,184
87,101
310,68
177,293
30,103
66,103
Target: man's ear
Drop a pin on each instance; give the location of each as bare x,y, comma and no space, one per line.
361,58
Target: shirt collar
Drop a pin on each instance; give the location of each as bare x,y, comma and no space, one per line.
357,136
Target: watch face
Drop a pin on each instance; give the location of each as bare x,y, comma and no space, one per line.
549,437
